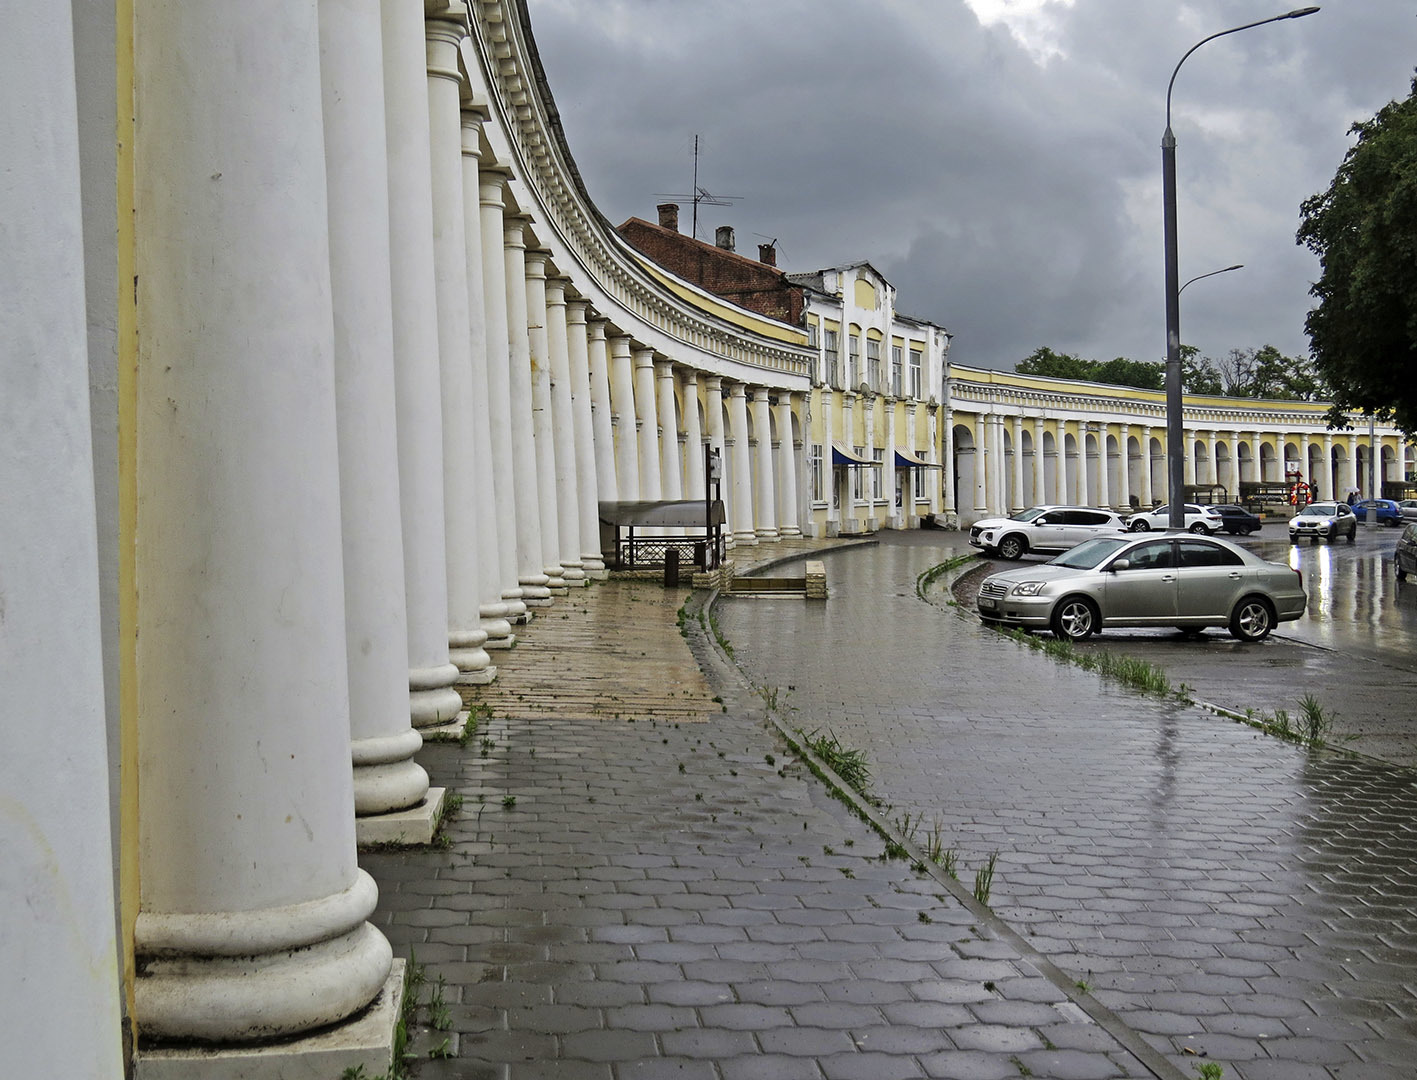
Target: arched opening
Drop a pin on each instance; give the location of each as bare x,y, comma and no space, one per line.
1050,469
965,466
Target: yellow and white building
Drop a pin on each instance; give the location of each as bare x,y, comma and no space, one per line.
317,361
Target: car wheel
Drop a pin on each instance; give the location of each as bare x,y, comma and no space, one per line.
1075,618
1012,547
1352,534
1140,525
1252,619
1198,527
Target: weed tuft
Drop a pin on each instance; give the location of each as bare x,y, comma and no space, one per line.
849,764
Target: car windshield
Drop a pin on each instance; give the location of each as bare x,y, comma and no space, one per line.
1090,553
1027,515
1319,510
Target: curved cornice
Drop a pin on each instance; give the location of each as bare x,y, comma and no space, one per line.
638,303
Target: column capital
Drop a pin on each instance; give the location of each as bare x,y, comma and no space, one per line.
577,310
595,327
490,186
643,356
664,367
714,383
737,390
472,120
514,235
536,264
556,292
444,36
619,345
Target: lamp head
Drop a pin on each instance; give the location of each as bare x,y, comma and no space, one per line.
1299,13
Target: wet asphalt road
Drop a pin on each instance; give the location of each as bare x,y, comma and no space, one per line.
1227,893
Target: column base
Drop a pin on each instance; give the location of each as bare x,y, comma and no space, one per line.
432,699
745,539
412,827
594,567
477,677
386,778
365,1042
767,536
791,532
535,591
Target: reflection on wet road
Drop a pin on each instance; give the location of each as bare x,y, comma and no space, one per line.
1228,894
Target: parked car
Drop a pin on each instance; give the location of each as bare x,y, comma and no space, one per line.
1189,582
1042,528
1406,554
1387,511
1237,520
1408,509
1324,521
1199,519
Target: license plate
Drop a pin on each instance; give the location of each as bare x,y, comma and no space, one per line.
986,601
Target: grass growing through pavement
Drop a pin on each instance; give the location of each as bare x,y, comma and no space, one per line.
1140,675
848,763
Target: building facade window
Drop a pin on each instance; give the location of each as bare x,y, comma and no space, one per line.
916,380
818,492
873,363
878,472
853,361
858,482
896,365
811,335
832,344
917,484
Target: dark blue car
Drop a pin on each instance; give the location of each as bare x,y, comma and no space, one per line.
1238,520
1389,513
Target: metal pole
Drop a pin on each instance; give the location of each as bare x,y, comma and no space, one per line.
1175,435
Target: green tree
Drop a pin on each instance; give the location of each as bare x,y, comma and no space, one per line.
1267,373
1138,373
1198,374
1044,361
1363,333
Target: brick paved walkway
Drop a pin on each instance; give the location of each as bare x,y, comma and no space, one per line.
1228,894
632,896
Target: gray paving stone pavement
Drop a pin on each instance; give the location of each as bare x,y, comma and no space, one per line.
630,898
1234,898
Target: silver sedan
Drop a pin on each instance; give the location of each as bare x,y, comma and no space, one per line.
1189,582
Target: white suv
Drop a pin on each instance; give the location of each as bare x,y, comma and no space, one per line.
1043,528
1199,519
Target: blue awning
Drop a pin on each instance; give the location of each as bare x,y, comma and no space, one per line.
841,456
909,460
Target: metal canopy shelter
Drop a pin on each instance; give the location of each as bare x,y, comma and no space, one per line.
695,529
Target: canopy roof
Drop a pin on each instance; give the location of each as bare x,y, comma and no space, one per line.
681,513
912,460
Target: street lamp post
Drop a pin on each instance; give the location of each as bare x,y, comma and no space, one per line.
1198,277
1175,436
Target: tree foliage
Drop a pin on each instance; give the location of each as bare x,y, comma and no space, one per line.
1363,333
1118,372
1253,373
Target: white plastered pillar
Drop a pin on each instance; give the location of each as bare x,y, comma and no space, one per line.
647,425
1104,482
417,392
542,425
586,482
622,404
253,917
742,522
713,425
386,778
563,438
787,468
1350,465
491,207
461,464
671,482
1124,480
531,566
693,437
1147,500
601,426
1040,475
496,610
1188,467
1060,462
762,469
62,990
1016,422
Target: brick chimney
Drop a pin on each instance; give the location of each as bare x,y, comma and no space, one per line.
723,237
668,216
767,254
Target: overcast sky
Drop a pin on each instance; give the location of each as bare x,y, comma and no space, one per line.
998,160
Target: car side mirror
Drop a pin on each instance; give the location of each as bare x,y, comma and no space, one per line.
1042,521
1120,564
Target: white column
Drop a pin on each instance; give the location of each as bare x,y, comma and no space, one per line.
742,512
586,489
933,455
1060,462
602,428
56,875
647,425
1146,499
951,499
460,509
1350,465
1330,482
417,392
386,778
693,437
868,437
1124,479
531,567
1104,483
253,915
1188,468
713,419
622,404
499,389
563,439
496,610
671,471
543,435
1018,502
1040,476
1084,496
888,470
766,528
788,527
1303,457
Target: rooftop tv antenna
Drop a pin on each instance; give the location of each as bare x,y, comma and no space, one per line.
700,195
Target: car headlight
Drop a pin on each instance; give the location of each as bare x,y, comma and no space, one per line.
1028,588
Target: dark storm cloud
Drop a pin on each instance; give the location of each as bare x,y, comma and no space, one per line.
1016,200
